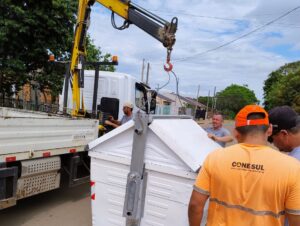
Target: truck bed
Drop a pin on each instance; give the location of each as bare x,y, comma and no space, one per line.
28,134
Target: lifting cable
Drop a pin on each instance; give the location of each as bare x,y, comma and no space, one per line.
177,83
177,87
167,83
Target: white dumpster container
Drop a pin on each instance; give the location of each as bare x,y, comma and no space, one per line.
175,150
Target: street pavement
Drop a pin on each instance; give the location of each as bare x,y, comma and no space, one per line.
61,207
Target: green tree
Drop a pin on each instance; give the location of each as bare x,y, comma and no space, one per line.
286,91
29,31
233,98
203,100
282,87
273,78
94,54
54,72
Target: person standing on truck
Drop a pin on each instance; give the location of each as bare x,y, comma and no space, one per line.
217,132
127,109
248,183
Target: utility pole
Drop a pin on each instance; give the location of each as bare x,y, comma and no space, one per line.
198,92
207,104
216,103
143,68
147,74
157,87
197,101
213,100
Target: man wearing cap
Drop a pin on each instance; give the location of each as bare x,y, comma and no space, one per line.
127,109
286,130
217,132
249,183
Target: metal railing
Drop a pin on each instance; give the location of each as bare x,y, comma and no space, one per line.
28,105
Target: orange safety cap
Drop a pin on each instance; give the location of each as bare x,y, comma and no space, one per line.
241,119
51,58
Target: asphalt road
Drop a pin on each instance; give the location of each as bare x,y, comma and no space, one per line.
62,207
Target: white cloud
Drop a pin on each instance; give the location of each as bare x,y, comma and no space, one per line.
245,62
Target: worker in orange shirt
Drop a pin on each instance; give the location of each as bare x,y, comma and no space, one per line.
248,184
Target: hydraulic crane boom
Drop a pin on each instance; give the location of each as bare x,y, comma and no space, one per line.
155,26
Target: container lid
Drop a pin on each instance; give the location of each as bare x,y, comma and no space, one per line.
183,136
186,138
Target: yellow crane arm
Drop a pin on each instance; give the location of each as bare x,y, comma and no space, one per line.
155,26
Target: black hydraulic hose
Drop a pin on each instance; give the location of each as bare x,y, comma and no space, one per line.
149,14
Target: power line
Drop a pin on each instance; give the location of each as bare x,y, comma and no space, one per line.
211,17
240,37
229,19
200,16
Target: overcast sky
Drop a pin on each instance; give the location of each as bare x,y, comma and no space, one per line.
204,25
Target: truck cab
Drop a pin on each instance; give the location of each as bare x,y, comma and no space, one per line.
113,91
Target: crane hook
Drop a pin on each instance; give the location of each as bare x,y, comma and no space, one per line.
168,66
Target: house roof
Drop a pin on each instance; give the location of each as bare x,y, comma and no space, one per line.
164,97
194,102
189,100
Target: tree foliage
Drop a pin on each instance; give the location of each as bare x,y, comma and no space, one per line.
233,98
283,87
94,54
203,99
29,31
57,70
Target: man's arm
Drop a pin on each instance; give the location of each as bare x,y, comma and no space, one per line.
224,139
114,121
294,220
292,202
220,139
109,123
196,207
